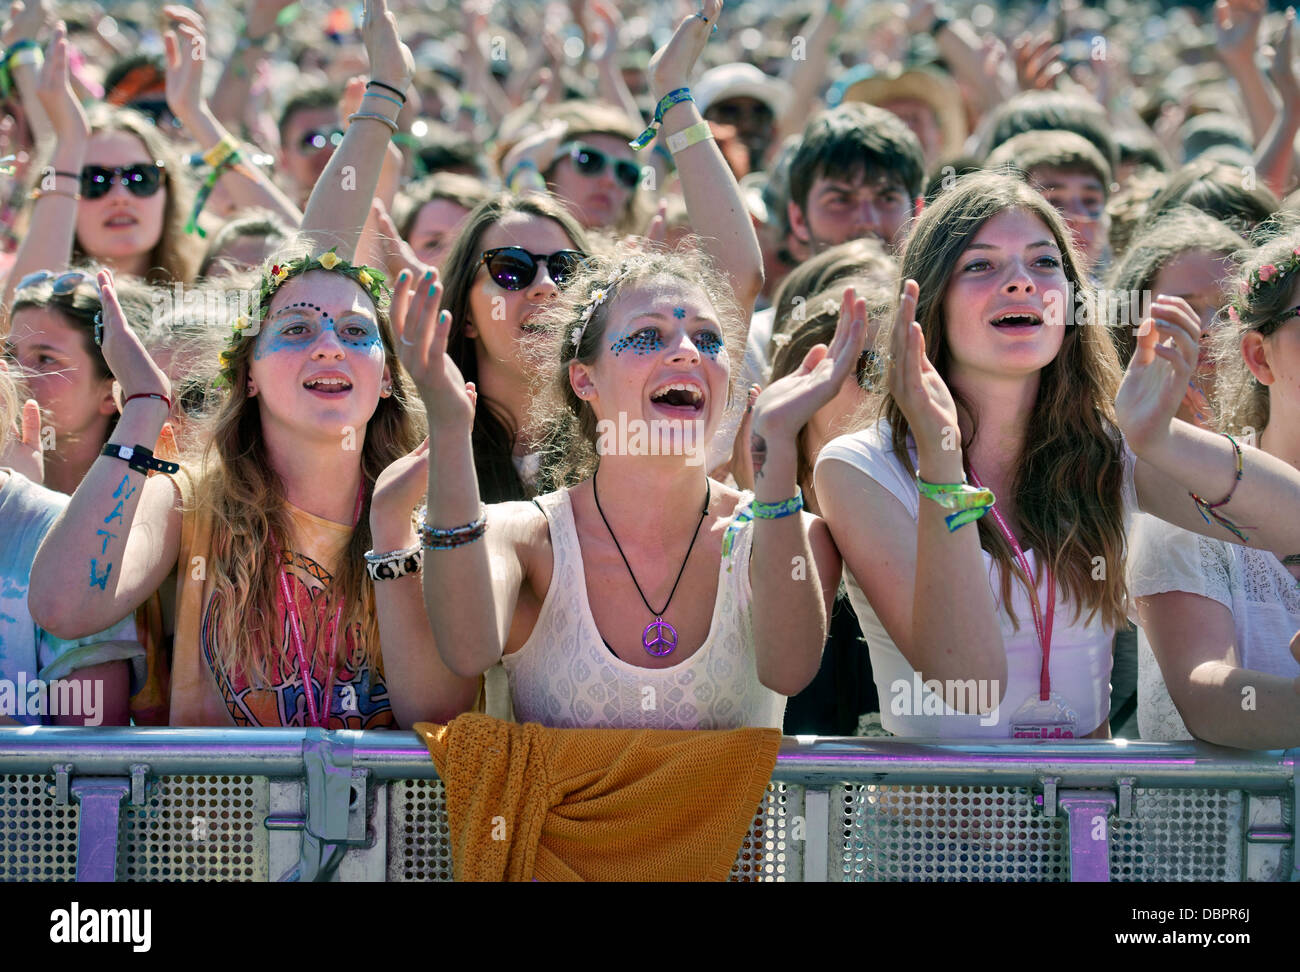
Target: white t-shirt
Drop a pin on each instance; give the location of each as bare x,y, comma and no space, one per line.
1262,595
1081,653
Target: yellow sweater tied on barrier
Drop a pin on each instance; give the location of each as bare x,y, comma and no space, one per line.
529,803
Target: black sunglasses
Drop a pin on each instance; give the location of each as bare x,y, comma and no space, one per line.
514,268
319,138
592,161
141,179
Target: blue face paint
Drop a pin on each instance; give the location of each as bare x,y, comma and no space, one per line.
679,313
644,341
297,326
709,344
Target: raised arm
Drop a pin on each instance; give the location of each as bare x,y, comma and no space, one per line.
186,45
807,74
1176,458
54,210
1275,157
1236,39
235,86
470,592
26,24
713,201
340,201
929,586
119,537
790,605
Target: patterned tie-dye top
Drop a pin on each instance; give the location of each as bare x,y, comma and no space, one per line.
203,694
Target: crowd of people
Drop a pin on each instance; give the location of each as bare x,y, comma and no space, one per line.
369,366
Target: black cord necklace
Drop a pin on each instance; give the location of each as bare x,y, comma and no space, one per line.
659,637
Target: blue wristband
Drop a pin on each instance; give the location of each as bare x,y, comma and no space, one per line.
674,97
778,511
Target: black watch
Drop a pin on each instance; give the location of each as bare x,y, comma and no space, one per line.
139,458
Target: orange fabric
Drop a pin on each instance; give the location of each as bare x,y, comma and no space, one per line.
529,803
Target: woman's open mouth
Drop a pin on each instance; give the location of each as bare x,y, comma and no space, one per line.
1019,320
328,387
680,398
121,221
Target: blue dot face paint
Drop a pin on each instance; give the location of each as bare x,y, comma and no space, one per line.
297,327
679,313
644,341
709,344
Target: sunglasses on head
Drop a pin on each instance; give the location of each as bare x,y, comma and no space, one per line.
141,179
514,268
64,283
319,138
592,161
157,111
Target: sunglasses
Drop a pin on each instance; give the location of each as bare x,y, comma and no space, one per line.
591,162
319,138
64,283
142,179
158,112
514,268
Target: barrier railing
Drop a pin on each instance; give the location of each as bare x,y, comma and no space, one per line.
290,804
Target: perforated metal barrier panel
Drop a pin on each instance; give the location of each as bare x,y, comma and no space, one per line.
926,833
175,826
38,837
419,845
197,828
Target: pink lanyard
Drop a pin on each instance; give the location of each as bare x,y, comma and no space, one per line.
1042,625
296,631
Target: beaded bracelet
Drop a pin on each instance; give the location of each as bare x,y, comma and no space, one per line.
674,97
449,538
398,563
36,194
969,502
1208,510
778,511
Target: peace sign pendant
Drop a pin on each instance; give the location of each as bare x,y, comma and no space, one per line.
659,637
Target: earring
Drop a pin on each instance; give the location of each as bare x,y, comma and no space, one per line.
388,390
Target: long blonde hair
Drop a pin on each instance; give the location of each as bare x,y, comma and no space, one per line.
1068,482
237,487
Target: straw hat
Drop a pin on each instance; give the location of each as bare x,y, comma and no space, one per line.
926,84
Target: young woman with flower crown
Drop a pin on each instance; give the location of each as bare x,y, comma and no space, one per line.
989,410
1219,620
644,595
277,621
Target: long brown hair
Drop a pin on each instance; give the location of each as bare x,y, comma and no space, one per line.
239,489
494,433
1069,479
176,255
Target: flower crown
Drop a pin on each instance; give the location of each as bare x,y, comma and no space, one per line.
597,297
1266,274
371,280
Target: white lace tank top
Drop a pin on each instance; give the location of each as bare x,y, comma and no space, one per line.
565,677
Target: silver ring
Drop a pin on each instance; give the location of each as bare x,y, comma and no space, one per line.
99,327
409,344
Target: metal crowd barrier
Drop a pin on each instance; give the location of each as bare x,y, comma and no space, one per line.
289,804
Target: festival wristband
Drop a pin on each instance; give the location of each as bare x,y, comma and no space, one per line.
969,502
398,563
205,190
31,57
699,132
218,154
139,458
674,97
778,511
448,538
525,177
